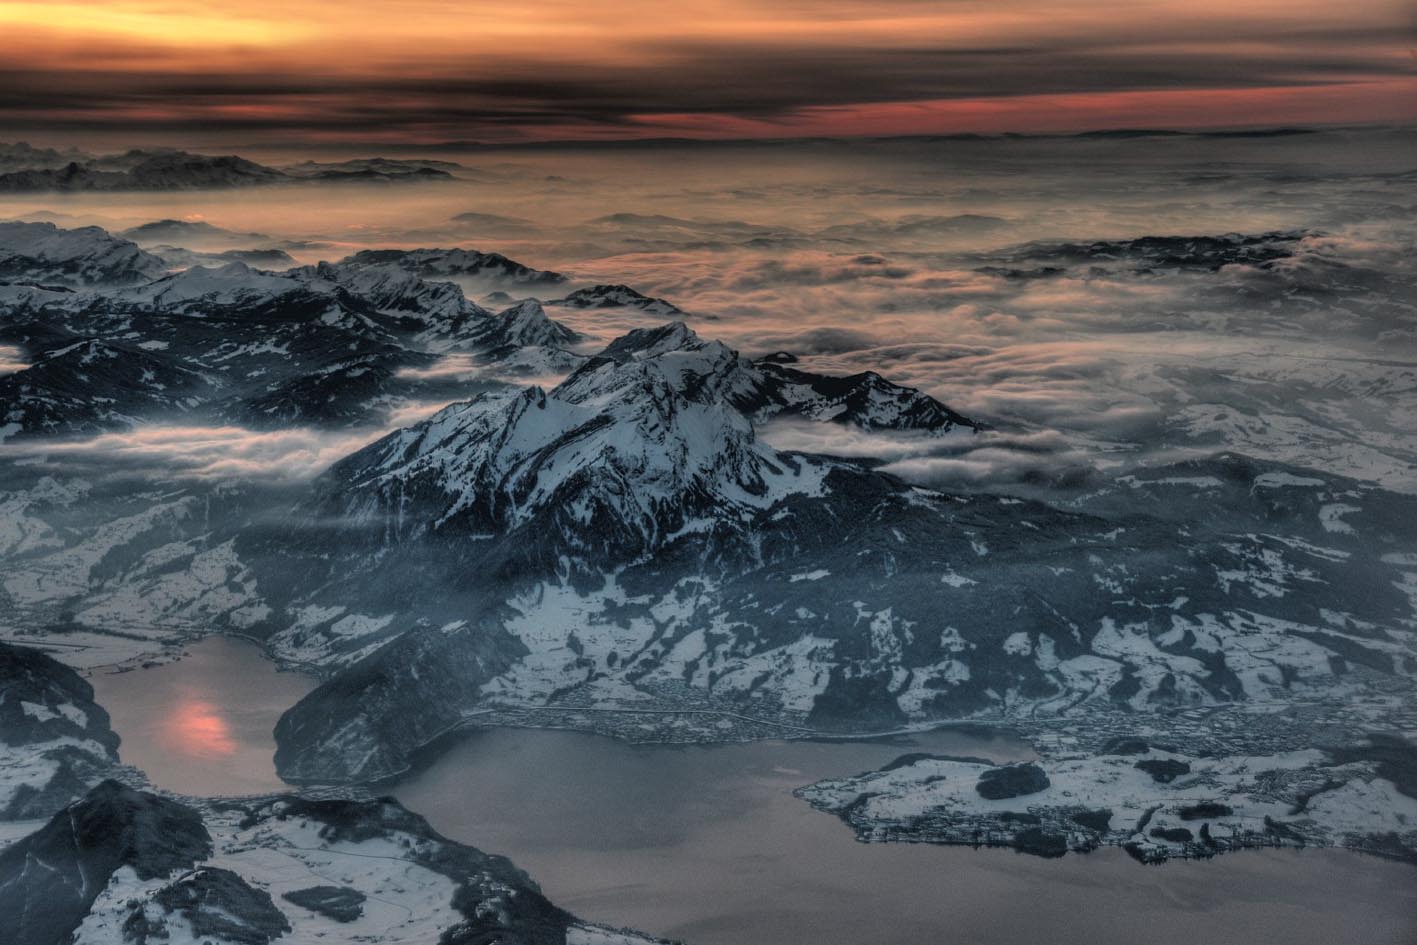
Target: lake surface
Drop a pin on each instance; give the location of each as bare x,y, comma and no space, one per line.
708,844
202,725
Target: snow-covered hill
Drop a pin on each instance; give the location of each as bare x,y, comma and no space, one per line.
1155,802
129,867
55,740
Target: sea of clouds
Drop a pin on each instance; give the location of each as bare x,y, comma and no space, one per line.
951,266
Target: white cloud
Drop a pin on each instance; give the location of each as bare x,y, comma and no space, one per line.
215,452
11,360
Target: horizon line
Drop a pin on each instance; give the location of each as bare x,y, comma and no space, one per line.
674,141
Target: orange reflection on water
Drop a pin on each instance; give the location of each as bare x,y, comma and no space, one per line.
196,728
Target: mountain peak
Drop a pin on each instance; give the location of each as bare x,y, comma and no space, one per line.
652,342
612,462
526,324
670,358
675,357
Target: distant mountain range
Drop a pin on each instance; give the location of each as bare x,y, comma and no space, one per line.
29,170
445,263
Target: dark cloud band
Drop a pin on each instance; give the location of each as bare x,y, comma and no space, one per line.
763,81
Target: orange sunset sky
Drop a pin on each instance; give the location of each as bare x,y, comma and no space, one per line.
434,72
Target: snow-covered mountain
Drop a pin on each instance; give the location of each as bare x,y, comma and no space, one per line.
46,254
862,603
331,343
624,536
769,388
437,313
324,343
524,325
524,341
647,442
609,465
864,400
235,287
378,299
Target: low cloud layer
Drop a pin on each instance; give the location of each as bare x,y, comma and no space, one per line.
990,459
1298,346
11,360
222,452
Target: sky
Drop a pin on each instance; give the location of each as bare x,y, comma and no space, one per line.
443,72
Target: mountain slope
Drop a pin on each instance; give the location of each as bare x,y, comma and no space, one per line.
871,605
54,739
525,324
50,879
90,385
